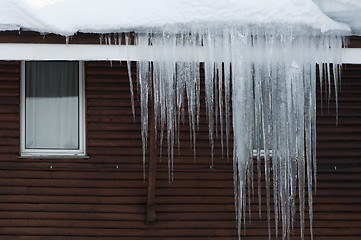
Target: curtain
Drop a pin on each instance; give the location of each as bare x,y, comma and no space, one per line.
52,105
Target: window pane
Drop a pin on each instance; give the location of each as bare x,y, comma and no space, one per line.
51,105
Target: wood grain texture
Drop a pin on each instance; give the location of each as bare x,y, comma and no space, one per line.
104,197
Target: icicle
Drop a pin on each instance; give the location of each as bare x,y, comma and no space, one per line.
143,78
209,89
116,38
109,39
129,74
272,73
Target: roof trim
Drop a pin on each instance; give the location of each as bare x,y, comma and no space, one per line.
97,52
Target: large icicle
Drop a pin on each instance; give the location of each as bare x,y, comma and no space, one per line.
272,74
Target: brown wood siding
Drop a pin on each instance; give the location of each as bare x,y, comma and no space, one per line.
354,42
337,203
104,197
50,38
91,38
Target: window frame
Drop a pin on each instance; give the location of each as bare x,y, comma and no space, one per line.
25,152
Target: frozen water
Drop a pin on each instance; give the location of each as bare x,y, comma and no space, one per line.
272,74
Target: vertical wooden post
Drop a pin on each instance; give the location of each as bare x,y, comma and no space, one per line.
152,166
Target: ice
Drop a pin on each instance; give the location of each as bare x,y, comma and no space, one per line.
129,74
268,76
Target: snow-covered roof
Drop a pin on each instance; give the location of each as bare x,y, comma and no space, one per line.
345,11
66,17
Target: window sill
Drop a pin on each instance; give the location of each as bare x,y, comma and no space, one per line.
54,156
262,154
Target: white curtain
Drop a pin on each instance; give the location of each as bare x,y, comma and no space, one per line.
51,104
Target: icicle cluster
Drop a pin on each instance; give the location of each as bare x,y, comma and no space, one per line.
268,76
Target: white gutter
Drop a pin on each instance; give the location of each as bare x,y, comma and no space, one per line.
351,55
86,52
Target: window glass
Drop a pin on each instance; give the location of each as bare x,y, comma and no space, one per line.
52,105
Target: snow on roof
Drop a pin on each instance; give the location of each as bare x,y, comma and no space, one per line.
345,11
66,17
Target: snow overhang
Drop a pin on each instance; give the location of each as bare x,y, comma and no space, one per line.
345,11
67,17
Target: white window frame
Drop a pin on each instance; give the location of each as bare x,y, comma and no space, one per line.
24,152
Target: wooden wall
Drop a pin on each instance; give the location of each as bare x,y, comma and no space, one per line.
104,196
337,204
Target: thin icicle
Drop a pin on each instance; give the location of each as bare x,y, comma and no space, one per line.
129,75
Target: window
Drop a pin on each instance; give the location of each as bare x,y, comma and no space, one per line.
52,111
